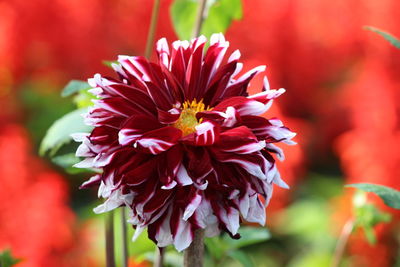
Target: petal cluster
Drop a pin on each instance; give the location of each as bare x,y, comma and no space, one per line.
181,143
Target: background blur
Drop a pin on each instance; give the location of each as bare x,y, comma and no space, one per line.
342,99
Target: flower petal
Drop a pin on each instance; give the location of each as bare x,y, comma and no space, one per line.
239,140
159,140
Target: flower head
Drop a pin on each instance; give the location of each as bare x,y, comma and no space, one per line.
181,143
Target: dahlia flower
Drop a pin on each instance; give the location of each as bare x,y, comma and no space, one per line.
181,144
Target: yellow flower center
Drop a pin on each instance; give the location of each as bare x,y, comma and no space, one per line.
187,120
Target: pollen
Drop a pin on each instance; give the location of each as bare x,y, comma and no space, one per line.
187,120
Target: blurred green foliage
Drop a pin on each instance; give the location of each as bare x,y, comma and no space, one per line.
219,249
7,260
367,216
42,107
59,133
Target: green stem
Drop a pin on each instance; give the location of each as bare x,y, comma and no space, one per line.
200,18
124,238
109,225
152,29
159,258
193,256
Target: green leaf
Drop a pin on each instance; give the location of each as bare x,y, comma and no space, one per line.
60,132
7,260
393,40
67,161
390,196
249,236
219,15
73,87
183,14
241,257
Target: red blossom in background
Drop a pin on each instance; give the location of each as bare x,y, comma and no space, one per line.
36,221
182,144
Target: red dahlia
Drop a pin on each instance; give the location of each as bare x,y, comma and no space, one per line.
181,144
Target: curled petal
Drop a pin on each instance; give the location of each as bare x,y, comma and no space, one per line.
94,180
159,140
206,134
135,128
239,140
192,206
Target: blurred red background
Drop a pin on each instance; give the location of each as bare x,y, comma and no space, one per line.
342,98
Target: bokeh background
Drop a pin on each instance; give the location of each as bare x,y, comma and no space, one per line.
343,100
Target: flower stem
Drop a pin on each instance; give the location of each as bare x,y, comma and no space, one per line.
159,257
124,238
200,18
109,225
342,242
193,255
152,29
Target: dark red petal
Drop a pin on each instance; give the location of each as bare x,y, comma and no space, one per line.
141,173
169,164
212,60
239,140
135,127
94,180
138,98
219,83
243,105
199,163
169,117
103,135
239,87
257,125
215,116
178,65
160,96
193,71
160,140
255,164
155,203
118,105
102,117
207,133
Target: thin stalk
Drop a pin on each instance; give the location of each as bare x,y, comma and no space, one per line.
194,254
109,225
152,29
124,238
342,243
159,258
199,18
